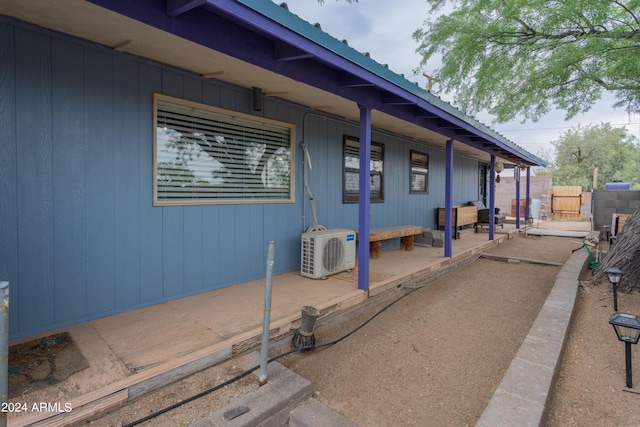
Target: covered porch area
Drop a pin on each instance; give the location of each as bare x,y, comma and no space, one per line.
135,352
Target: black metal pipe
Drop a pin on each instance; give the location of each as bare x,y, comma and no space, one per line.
627,348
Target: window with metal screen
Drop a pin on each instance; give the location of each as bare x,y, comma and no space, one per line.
209,155
419,182
352,171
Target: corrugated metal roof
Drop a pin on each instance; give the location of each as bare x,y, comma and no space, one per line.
314,33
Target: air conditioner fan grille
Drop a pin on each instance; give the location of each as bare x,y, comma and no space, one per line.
332,254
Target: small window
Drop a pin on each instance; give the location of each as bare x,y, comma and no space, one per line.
352,171
206,155
419,173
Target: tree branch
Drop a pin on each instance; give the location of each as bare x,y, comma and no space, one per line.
635,18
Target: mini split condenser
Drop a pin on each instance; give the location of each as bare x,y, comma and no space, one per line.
327,252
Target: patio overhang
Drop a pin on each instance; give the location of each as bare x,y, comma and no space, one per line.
256,43
303,52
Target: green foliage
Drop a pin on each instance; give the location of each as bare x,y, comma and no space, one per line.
579,151
527,57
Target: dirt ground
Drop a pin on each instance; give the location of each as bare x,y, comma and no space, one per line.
177,392
436,356
591,387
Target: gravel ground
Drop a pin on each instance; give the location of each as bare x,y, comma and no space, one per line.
435,357
179,391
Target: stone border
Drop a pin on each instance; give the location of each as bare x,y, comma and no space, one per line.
523,394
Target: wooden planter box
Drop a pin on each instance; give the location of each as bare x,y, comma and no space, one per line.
460,216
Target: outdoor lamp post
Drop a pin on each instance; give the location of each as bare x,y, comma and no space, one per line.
627,327
614,275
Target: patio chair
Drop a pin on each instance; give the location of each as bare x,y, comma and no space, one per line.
483,213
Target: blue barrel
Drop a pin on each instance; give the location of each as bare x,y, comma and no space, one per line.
617,186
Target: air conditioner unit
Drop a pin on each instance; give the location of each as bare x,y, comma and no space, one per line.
327,252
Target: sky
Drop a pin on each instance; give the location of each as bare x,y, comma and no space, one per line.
384,28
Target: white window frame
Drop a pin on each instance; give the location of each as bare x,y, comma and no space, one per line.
222,159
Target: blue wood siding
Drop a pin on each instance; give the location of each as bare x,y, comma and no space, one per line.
35,178
69,168
324,138
8,165
80,236
151,240
100,178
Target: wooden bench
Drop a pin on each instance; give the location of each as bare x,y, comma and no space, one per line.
404,232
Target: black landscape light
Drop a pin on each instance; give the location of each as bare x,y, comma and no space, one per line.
627,327
614,275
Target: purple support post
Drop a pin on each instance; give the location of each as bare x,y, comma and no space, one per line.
516,174
492,198
364,192
527,208
448,200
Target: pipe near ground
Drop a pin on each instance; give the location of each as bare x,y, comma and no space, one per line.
266,318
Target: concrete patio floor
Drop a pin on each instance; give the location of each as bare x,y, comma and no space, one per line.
135,352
